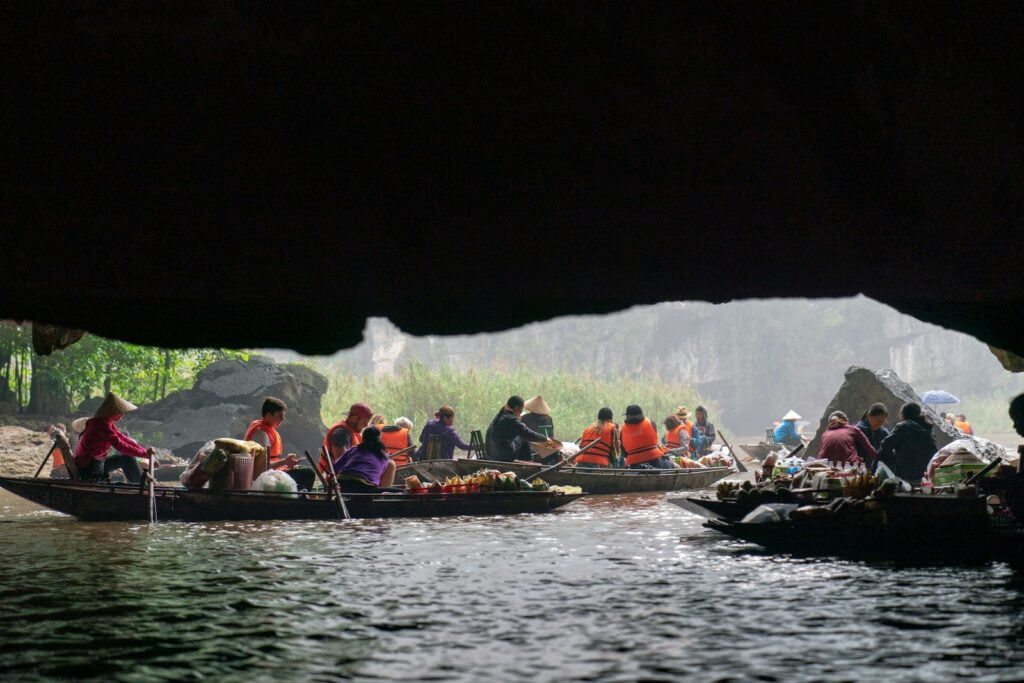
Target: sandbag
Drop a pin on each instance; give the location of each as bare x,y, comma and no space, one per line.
275,481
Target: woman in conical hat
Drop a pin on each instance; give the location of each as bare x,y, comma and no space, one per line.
786,433
539,420
100,435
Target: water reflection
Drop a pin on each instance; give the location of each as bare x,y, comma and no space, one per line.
614,588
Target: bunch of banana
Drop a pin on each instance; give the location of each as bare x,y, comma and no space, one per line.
454,481
860,485
727,489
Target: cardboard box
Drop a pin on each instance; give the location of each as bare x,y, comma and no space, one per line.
950,474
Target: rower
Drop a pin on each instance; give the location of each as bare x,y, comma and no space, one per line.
606,452
347,433
98,437
398,437
508,439
264,432
640,442
786,432
442,427
365,468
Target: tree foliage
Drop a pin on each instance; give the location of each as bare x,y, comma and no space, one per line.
54,384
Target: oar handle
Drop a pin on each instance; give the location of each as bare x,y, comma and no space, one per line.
316,470
47,458
337,485
564,461
404,450
740,467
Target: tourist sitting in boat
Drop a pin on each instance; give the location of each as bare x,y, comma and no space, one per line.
605,453
100,435
703,432
844,443
910,446
786,433
640,442
397,438
441,427
347,433
264,432
378,421
872,423
678,434
508,439
365,468
962,424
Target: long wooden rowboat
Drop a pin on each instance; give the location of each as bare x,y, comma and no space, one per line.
109,502
709,506
591,480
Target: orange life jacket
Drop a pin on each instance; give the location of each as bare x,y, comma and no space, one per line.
356,439
672,439
640,442
276,447
963,426
599,453
394,441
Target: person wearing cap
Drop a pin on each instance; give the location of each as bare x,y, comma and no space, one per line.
442,426
786,432
508,439
347,433
100,434
607,452
703,432
365,467
264,432
640,442
907,450
844,443
397,438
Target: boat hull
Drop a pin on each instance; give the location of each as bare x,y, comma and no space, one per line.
591,480
120,502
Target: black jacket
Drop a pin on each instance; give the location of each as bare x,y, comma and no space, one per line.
908,449
507,438
875,436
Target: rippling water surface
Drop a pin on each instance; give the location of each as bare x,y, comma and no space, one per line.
609,588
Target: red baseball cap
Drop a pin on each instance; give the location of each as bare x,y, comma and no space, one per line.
361,410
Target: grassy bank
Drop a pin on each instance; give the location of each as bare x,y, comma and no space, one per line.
417,392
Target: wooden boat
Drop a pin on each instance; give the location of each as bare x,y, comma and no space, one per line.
757,451
705,505
904,527
589,479
123,502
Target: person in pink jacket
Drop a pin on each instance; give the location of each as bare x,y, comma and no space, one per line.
100,435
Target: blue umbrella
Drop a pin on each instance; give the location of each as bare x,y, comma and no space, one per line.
939,396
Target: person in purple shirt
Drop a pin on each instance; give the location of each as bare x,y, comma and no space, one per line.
441,426
365,468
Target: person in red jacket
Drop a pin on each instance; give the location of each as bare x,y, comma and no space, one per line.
264,432
842,442
100,435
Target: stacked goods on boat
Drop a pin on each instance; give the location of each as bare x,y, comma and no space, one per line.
960,460
484,481
225,464
820,479
718,458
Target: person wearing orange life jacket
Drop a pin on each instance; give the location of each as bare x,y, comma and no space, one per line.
677,436
962,424
396,438
605,453
640,442
346,433
264,432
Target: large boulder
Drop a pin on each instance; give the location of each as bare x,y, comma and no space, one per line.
861,387
225,398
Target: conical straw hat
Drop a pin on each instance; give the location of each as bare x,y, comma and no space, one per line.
114,405
791,415
78,426
537,405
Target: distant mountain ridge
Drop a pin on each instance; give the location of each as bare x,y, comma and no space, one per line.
756,359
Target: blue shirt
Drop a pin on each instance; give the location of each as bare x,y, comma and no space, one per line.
786,433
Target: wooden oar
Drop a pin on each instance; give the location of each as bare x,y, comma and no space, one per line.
398,453
985,470
337,486
152,490
47,458
316,470
564,461
740,467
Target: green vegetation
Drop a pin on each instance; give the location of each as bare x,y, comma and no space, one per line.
52,385
417,392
